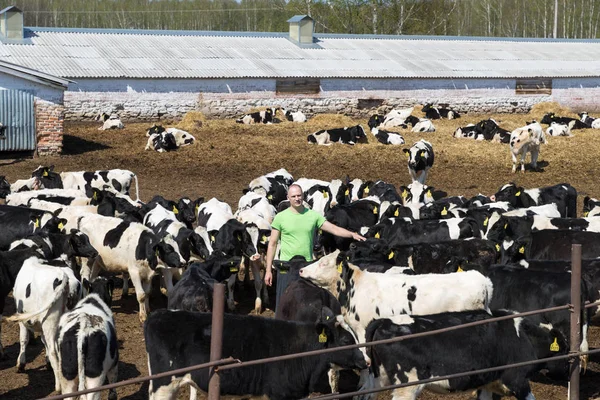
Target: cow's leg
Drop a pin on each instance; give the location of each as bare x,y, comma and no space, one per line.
125,290
23,341
407,393
112,377
230,286
142,289
258,284
167,275
67,387
534,156
334,379
95,382
49,332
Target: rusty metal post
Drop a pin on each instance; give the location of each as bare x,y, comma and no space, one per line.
216,339
575,339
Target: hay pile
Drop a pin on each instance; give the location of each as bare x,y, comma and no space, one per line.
191,121
540,109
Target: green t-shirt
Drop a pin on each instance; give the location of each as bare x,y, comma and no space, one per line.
296,232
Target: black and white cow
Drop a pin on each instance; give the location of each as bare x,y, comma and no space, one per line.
432,112
527,139
591,207
273,186
161,142
88,352
182,138
375,120
563,195
594,123
387,137
364,295
556,129
353,216
42,293
129,247
549,118
258,117
293,116
117,179
347,135
109,122
423,125
492,131
461,350
248,338
20,222
420,160
468,132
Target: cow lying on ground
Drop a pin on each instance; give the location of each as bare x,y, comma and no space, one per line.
432,112
551,117
526,140
347,135
109,122
248,338
387,137
258,117
161,139
594,123
556,129
293,116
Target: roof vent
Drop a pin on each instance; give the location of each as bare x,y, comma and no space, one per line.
301,29
11,23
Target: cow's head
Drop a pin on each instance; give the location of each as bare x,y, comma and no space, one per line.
167,251
80,245
187,210
370,248
547,118
375,120
509,193
2,131
426,107
323,272
102,116
48,178
155,129
417,157
513,251
220,267
589,204
102,287
4,187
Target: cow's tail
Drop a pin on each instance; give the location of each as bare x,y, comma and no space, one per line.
60,292
81,350
137,187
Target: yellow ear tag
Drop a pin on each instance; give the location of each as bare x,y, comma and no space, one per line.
460,269
45,173
156,252
175,210
366,191
323,337
61,226
497,247
270,197
518,193
429,193
377,236
585,214
391,255
444,211
95,196
233,269
375,210
505,226
522,250
212,238
263,239
485,221
197,208
339,268
347,192
325,194
407,155
36,223
396,213
376,118
554,346
404,194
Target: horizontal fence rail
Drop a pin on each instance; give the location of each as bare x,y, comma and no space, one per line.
230,363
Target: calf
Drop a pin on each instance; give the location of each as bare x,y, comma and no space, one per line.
293,116
387,137
470,131
446,353
556,129
563,195
526,140
161,142
258,117
351,216
420,160
593,123
86,340
424,125
491,131
347,135
5,187
366,295
20,222
109,122
42,293
438,113
551,117
161,139
273,186
591,207
248,338
257,203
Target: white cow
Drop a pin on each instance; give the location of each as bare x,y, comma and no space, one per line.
109,122
526,140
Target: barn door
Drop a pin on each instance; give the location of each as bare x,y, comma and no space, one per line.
16,112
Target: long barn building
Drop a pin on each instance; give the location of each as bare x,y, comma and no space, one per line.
149,74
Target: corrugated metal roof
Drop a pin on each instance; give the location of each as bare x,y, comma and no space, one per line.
96,53
33,75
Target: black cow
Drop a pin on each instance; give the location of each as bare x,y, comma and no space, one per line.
177,339
258,117
20,222
477,347
438,113
563,195
347,135
551,117
351,216
402,232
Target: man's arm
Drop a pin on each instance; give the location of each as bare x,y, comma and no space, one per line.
271,249
341,232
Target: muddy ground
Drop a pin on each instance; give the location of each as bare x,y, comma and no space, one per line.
227,156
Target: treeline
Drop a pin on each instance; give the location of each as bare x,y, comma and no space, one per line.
504,18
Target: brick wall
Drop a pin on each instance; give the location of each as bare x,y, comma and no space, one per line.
49,119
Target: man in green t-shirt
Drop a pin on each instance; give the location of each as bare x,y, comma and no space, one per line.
295,227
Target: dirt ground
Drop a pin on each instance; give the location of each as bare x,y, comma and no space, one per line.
227,156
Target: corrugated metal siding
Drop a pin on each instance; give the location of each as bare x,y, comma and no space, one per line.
87,53
17,113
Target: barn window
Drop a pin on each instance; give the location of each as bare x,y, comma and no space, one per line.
534,86
298,86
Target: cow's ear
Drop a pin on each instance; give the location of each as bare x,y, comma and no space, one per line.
586,201
406,151
244,191
57,212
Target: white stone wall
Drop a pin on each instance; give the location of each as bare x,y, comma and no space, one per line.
142,99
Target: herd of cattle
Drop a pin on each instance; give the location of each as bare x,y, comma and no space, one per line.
429,262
